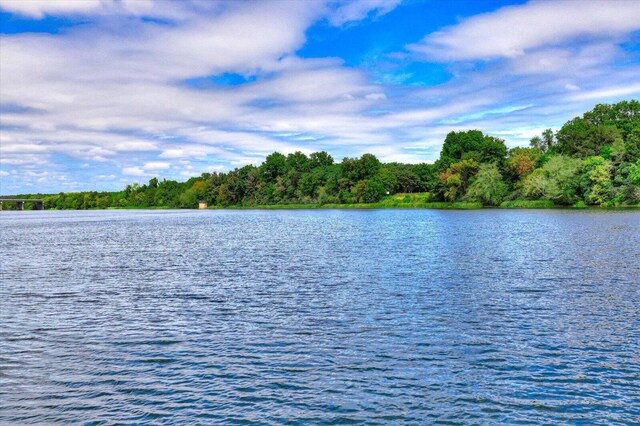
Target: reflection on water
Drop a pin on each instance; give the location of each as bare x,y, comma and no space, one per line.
378,317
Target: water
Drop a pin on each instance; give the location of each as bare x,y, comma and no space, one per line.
320,317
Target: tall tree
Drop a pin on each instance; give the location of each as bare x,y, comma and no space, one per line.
488,187
274,165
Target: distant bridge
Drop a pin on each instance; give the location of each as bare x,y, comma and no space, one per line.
37,203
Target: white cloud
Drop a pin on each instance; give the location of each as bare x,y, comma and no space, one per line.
375,96
186,152
135,146
569,60
515,30
17,147
156,165
133,171
609,92
355,10
39,8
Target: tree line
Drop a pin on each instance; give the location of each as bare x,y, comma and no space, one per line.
592,160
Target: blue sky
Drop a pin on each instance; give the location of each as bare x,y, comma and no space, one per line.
96,94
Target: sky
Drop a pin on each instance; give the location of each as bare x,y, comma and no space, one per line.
96,94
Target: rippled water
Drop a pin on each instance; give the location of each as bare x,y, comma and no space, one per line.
331,317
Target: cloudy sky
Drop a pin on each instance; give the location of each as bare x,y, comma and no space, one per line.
95,94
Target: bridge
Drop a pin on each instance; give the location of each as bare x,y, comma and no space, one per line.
37,203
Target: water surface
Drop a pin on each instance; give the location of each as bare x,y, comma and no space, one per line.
320,317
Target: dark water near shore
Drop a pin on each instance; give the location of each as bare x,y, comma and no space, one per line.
320,317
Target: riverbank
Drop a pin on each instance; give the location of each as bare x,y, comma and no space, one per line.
511,205
421,200
400,201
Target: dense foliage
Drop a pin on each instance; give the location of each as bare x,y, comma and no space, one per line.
593,159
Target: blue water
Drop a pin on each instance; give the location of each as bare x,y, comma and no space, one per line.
320,317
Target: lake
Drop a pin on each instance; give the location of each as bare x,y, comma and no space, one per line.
320,317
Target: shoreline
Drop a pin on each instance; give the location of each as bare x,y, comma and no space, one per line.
373,206
410,207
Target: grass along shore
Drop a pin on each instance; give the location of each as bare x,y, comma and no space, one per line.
426,206
420,201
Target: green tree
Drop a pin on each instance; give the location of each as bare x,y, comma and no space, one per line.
320,159
455,179
596,180
274,165
362,168
375,192
388,179
624,115
368,191
458,143
572,136
634,173
522,161
493,150
557,181
428,175
599,138
488,187
632,144
548,140
407,181
224,198
298,161
471,144
545,142
604,125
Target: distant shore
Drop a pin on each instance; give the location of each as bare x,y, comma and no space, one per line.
510,205
425,206
392,203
